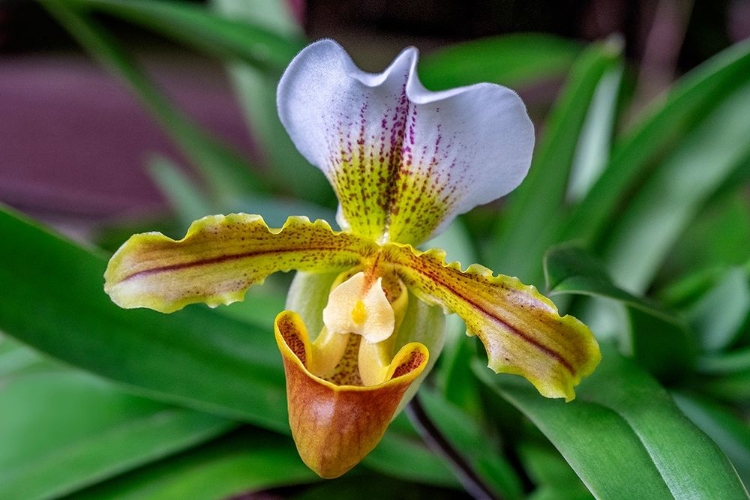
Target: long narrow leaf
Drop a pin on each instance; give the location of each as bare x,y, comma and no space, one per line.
641,238
470,439
511,60
228,174
245,461
534,210
734,388
719,315
185,198
402,454
196,357
198,27
729,431
64,430
658,338
256,92
625,437
550,473
17,359
667,119
595,141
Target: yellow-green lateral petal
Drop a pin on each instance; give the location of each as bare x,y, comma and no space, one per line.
520,328
220,257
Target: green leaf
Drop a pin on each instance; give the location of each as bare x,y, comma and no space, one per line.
595,142
64,430
688,289
534,209
256,91
471,441
668,119
569,269
574,492
402,455
184,196
726,429
257,44
512,60
717,237
624,436
659,339
729,363
546,467
195,26
732,388
227,173
667,349
641,239
245,461
720,314
273,16
17,359
195,357
460,386
553,477
261,305
372,486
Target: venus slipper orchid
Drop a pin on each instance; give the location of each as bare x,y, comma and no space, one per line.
404,162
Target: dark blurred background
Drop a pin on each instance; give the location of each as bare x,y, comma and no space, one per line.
73,141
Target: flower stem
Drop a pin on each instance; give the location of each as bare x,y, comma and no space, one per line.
437,442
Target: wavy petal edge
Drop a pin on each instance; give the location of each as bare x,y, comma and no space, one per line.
520,328
220,257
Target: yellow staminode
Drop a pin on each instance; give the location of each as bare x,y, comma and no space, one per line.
359,313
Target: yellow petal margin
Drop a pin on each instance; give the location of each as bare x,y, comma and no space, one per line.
520,328
220,257
336,426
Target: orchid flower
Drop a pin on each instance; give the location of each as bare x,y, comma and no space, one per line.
404,162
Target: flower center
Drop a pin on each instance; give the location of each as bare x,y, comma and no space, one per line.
359,305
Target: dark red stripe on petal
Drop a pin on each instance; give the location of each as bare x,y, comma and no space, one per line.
546,350
435,278
228,258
